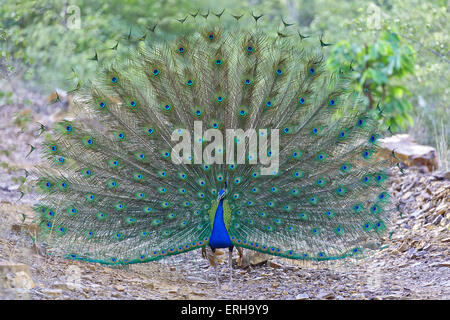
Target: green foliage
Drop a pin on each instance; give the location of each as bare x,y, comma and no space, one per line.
376,69
425,25
52,48
36,35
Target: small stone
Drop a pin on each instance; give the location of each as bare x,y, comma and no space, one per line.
20,280
66,286
275,265
199,293
15,275
325,295
119,288
441,264
388,297
255,280
302,296
403,247
55,293
196,279
8,266
148,285
173,269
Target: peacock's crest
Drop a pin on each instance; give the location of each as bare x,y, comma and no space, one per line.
115,194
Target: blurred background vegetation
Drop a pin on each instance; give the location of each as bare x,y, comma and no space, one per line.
398,49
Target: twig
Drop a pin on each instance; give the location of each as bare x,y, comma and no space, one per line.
428,49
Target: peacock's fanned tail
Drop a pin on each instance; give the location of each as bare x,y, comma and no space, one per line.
113,194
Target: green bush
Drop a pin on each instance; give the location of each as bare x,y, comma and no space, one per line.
376,70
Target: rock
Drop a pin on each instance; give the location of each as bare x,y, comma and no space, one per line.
325,295
441,264
173,269
119,288
7,266
302,296
408,151
403,247
67,286
199,293
196,279
388,297
255,280
15,275
20,280
148,285
275,265
257,258
55,293
442,175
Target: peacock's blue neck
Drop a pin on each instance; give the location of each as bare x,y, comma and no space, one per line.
219,236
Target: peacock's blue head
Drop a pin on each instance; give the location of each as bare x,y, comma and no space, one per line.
221,195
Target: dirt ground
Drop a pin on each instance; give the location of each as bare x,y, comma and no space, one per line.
415,264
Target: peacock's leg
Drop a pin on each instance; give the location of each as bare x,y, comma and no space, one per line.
230,261
215,267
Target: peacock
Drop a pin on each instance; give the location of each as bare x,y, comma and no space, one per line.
150,168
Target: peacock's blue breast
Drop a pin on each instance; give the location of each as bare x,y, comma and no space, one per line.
219,237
